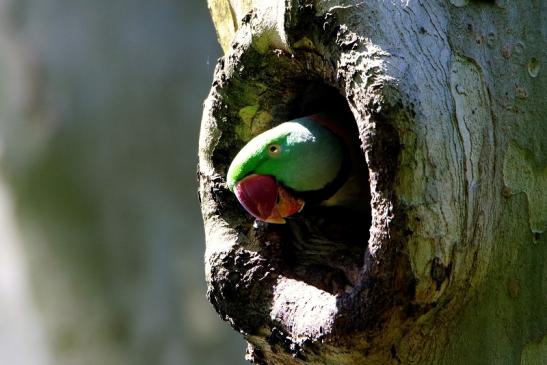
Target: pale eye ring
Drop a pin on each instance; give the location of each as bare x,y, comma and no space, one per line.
274,150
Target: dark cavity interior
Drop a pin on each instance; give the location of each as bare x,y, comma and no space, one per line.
324,246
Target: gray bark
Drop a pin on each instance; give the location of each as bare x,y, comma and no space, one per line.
450,107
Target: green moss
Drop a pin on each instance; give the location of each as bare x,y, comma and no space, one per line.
252,123
247,113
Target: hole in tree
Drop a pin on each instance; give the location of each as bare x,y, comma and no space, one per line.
324,245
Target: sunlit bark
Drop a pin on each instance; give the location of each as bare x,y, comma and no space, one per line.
450,105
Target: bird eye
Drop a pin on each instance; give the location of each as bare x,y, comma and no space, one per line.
274,150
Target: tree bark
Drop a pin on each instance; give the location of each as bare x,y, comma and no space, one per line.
449,105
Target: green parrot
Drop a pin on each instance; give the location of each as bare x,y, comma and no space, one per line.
307,160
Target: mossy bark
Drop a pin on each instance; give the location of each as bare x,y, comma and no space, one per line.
449,107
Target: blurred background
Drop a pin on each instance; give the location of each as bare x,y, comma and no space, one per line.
101,241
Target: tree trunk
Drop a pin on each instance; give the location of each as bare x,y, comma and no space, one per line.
449,103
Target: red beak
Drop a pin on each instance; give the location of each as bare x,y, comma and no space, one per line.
266,200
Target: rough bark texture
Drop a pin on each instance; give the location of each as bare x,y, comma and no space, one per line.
449,103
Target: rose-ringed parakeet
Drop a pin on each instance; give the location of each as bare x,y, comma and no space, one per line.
309,160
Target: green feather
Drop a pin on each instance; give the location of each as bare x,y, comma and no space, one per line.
310,156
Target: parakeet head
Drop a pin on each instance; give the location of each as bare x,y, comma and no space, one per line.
275,170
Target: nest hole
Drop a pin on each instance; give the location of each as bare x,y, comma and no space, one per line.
324,245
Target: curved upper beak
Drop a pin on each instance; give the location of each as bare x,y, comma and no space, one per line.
266,200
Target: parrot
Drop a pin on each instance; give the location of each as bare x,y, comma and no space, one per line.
311,160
